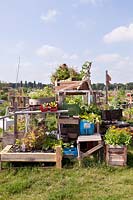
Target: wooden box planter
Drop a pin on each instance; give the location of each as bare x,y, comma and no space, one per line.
39,101
7,156
116,155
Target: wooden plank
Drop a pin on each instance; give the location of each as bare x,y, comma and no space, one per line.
118,151
89,138
99,146
6,149
74,91
29,157
116,158
39,112
117,163
58,158
69,120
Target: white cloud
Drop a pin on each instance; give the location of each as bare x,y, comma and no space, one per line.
50,52
89,1
107,58
16,49
92,2
119,67
50,16
74,57
26,64
81,25
120,34
55,54
78,3
20,45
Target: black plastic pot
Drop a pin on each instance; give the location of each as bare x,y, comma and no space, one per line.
111,115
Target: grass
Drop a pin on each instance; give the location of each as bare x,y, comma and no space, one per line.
68,184
93,182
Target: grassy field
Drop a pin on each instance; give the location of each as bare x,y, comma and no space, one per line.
93,182
68,184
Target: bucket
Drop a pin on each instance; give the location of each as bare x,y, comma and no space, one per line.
86,127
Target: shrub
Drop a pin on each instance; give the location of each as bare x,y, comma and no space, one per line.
118,136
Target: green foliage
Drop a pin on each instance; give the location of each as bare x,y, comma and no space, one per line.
20,126
51,122
74,99
4,96
51,142
116,100
73,109
92,108
1,131
64,72
128,113
33,140
91,117
3,108
90,113
118,136
41,93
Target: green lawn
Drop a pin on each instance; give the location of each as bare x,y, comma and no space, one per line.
68,184
96,182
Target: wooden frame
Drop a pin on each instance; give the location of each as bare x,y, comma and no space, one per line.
89,138
6,156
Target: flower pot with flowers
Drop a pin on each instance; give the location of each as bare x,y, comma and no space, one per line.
44,107
117,140
53,106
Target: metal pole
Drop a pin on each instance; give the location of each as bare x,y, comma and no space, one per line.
106,88
18,71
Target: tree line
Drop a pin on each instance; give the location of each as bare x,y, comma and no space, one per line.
40,85
122,86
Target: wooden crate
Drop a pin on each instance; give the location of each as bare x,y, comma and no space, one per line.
7,156
116,155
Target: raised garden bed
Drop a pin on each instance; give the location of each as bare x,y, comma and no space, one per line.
6,155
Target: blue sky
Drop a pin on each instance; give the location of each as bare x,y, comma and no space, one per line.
47,33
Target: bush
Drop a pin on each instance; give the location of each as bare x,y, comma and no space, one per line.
118,136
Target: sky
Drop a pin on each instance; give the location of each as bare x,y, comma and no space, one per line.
47,33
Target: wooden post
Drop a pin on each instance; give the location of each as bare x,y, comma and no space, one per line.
15,119
79,154
125,155
0,163
58,157
98,127
107,153
3,127
26,123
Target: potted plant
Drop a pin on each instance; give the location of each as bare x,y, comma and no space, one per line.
117,140
44,107
87,123
53,106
